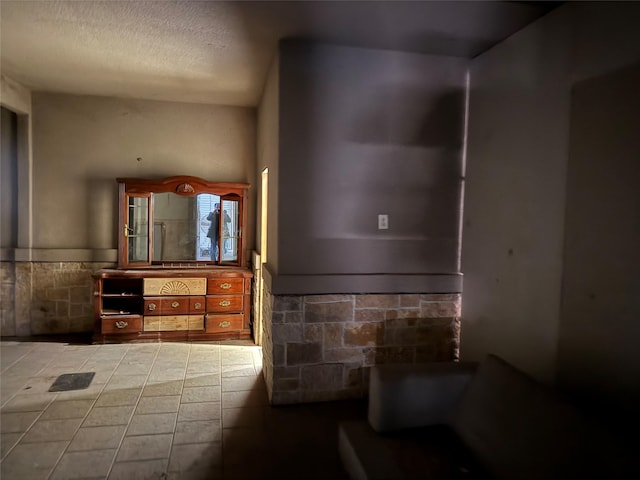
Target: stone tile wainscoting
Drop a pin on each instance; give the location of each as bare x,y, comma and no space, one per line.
40,298
320,347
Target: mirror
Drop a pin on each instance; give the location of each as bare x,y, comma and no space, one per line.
180,220
186,228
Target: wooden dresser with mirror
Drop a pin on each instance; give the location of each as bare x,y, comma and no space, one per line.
182,271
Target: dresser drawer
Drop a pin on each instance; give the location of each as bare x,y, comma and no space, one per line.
225,285
223,323
174,286
173,305
166,303
173,323
197,304
224,303
122,324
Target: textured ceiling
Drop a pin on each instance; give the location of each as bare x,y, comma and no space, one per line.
219,52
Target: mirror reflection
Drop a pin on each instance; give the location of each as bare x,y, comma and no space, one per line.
187,228
137,232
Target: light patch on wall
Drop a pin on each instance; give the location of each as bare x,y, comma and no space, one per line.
463,165
264,209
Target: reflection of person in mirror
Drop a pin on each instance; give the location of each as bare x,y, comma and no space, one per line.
225,232
214,229
214,218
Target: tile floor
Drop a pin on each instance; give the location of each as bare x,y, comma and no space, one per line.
157,411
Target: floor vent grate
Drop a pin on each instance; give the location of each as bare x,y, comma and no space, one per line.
72,381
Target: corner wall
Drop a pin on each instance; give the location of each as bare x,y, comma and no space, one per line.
359,132
16,222
365,132
513,225
549,202
268,156
268,131
598,358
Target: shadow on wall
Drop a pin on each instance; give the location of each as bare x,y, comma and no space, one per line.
9,179
411,116
102,213
598,356
410,140
417,136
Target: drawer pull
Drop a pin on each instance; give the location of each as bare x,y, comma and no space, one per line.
121,324
197,305
225,286
152,306
225,303
225,324
175,304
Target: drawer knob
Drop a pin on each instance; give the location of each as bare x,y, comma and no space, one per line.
197,305
121,324
225,324
152,306
225,303
225,286
175,304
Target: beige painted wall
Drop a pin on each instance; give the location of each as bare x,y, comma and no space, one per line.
268,156
82,143
365,132
514,198
523,296
8,178
598,355
17,98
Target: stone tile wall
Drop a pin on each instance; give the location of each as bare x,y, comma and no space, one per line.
256,287
41,298
320,347
7,299
315,347
269,356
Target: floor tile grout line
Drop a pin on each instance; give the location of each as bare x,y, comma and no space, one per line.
65,451
17,360
175,424
22,435
55,396
216,357
27,377
223,464
133,411
63,350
